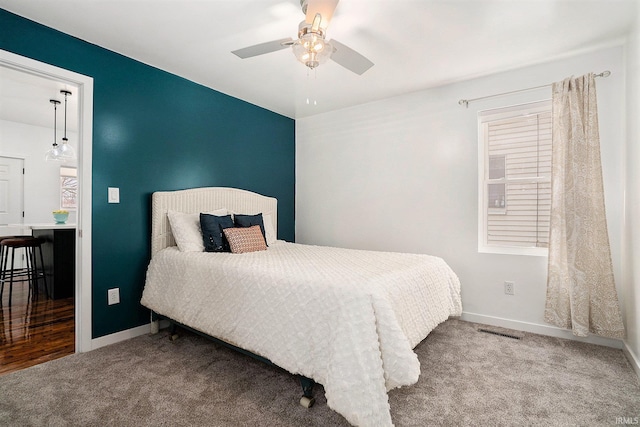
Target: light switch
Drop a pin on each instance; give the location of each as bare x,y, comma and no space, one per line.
114,195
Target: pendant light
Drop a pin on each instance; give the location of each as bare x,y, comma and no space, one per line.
67,153
53,155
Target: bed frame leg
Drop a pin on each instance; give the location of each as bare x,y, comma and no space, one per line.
307,400
173,331
154,324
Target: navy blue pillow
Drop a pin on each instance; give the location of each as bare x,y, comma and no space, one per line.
212,235
250,220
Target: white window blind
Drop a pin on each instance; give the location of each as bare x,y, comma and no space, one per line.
515,169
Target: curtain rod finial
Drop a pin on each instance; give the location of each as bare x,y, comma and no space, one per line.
464,102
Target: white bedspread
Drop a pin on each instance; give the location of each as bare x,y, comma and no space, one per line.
348,319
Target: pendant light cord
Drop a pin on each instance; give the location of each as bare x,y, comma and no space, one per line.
66,92
55,103
65,118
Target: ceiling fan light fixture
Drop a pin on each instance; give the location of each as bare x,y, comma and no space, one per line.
312,57
311,48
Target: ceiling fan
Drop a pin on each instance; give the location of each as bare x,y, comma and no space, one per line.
311,48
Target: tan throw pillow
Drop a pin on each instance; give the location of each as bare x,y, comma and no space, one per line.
245,239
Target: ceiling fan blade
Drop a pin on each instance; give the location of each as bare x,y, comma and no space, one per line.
349,58
324,7
262,48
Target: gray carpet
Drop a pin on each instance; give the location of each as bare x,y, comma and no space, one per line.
468,378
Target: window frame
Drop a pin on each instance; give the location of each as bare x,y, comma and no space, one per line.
484,117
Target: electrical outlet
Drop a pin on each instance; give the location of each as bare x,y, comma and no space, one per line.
113,296
508,288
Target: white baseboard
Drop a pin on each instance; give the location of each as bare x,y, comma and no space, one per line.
124,335
119,336
633,359
535,328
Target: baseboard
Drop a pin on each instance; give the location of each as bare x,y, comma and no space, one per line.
535,328
127,334
632,358
119,336
124,335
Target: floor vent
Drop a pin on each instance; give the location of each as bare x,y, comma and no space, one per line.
502,334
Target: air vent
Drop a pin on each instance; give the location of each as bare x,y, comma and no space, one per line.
502,334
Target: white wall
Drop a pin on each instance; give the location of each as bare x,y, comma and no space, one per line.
401,174
42,179
631,263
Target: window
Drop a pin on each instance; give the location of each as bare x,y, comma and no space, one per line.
514,197
68,187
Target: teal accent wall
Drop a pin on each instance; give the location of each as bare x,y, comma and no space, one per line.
155,131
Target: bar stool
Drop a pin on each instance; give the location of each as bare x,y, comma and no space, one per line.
3,247
31,271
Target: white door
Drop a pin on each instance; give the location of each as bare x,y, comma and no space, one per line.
11,190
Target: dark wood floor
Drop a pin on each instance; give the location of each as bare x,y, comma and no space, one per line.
34,330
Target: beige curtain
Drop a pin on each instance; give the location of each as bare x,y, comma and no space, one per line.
581,293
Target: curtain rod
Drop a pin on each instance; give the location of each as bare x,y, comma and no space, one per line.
466,102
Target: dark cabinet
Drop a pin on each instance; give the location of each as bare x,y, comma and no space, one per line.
59,253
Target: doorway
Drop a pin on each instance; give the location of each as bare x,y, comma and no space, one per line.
12,199
83,86
11,190
35,325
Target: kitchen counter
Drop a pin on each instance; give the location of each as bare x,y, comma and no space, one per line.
55,226
38,226
26,229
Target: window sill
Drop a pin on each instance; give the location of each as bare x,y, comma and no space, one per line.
507,250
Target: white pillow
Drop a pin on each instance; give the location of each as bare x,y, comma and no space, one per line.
186,230
269,231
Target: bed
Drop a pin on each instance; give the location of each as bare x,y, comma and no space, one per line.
347,319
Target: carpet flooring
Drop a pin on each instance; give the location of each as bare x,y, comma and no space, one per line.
469,378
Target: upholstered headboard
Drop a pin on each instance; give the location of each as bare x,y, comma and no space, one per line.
196,200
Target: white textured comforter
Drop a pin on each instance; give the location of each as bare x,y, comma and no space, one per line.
348,319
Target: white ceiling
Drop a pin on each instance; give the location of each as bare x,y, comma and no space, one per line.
415,44
25,98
